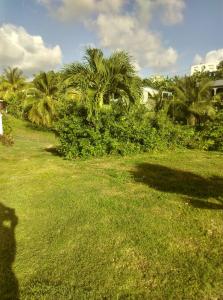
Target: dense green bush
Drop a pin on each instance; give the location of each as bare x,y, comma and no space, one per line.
112,134
115,133
15,105
212,133
7,138
173,135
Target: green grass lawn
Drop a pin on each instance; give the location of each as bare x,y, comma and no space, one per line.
143,227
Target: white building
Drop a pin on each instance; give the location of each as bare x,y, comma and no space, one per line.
217,86
203,68
148,92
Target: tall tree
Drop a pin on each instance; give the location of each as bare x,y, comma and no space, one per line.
12,82
220,66
41,97
219,73
101,79
194,99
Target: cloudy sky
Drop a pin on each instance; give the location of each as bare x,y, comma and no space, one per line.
163,36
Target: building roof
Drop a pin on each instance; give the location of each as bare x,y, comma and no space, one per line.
217,83
150,90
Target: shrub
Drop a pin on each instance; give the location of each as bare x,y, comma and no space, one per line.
15,105
173,135
112,134
134,132
212,133
117,134
7,138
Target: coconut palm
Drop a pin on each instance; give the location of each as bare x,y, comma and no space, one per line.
39,106
2,87
123,81
100,79
46,83
194,99
12,82
14,77
12,90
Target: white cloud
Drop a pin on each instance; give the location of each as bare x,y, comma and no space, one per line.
171,10
125,24
125,32
212,57
67,10
198,59
20,49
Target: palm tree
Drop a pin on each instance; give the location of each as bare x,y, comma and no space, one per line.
14,77
194,99
46,83
12,90
123,81
2,87
41,97
101,79
12,82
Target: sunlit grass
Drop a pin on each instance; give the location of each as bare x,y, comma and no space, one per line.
141,227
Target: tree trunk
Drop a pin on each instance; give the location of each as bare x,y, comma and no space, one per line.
100,99
191,120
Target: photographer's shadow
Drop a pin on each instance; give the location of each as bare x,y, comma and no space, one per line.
8,283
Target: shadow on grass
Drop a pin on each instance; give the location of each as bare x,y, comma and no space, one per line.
37,127
53,150
9,288
197,189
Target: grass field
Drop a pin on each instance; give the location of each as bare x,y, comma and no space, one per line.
143,227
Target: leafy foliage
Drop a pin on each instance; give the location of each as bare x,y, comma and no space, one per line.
113,134
213,133
39,106
12,90
13,80
7,138
194,99
116,133
95,107
101,80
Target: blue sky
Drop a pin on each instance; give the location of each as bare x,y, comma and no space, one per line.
164,36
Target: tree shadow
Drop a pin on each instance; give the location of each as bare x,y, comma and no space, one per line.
54,150
9,288
36,127
195,188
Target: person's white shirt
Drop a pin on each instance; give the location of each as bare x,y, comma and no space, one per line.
1,124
